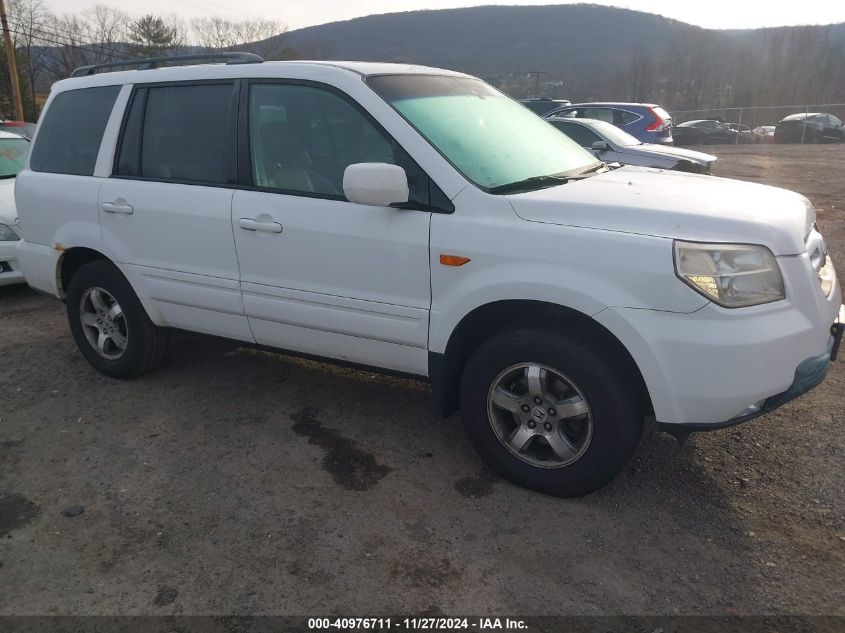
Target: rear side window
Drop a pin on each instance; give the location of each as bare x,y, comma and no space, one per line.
601,114
70,134
182,133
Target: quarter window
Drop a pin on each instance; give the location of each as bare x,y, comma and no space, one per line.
70,134
181,133
625,117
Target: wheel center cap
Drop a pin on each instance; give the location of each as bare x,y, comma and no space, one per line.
538,413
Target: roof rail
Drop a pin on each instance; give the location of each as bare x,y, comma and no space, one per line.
153,62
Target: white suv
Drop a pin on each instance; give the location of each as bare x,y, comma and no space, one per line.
418,221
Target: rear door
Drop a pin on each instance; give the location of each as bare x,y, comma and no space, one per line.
321,275
166,210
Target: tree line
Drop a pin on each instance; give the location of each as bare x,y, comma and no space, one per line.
800,65
695,69
49,46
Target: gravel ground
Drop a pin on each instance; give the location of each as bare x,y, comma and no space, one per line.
241,482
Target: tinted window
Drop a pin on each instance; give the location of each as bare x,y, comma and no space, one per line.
626,117
70,134
578,133
834,121
303,138
182,133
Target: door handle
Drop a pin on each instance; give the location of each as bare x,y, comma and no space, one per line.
249,224
114,207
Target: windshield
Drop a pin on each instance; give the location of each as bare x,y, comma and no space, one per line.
614,135
488,137
13,153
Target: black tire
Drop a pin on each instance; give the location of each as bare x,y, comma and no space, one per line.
146,343
615,404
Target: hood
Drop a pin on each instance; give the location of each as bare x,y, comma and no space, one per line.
670,151
8,213
675,205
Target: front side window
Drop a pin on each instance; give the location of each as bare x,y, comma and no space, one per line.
578,133
491,139
181,133
70,134
302,138
13,153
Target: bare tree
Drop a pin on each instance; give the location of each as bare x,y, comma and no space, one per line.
30,19
73,51
109,28
257,36
640,75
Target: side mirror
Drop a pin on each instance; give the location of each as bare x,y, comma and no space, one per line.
600,146
375,184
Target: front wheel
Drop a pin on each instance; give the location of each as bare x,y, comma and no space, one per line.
110,325
550,412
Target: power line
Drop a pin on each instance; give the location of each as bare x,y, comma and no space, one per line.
70,45
64,40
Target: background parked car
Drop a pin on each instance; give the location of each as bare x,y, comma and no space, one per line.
745,133
646,121
813,127
764,134
543,105
611,144
21,128
707,132
13,152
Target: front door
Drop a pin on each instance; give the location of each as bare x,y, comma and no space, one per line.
321,275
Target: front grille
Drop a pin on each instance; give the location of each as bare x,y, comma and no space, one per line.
5,268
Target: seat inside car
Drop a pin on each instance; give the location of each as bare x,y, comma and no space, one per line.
286,163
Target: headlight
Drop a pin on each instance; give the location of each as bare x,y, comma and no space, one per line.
732,275
7,234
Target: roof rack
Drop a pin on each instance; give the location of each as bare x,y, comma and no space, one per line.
153,62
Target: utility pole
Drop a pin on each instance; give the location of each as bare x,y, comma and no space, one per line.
13,67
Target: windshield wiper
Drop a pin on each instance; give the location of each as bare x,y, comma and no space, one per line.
529,184
589,170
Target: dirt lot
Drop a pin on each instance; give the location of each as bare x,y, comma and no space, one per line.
236,481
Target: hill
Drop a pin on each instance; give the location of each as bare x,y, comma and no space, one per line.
585,51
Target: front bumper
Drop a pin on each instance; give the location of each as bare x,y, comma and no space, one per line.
809,374
10,270
708,368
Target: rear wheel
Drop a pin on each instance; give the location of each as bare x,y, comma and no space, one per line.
550,412
110,325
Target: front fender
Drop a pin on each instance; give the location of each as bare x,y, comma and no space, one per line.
586,270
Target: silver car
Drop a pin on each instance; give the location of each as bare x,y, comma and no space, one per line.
613,145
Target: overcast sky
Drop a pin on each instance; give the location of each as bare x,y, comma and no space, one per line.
299,13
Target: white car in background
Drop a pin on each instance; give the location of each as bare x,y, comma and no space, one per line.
612,145
13,152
